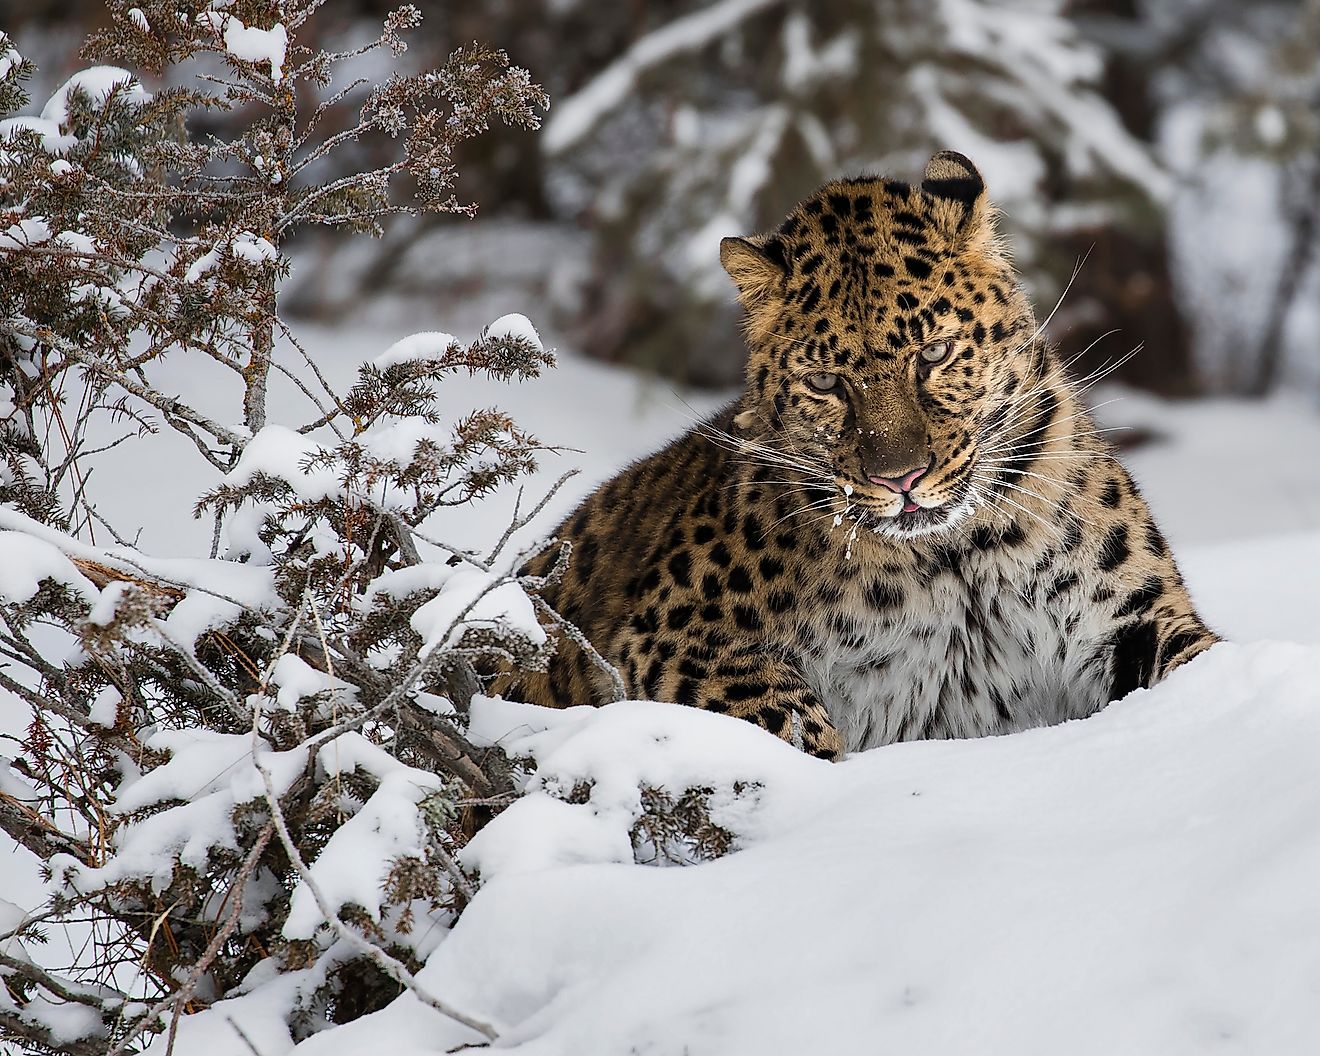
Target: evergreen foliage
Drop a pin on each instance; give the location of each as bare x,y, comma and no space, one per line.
250,765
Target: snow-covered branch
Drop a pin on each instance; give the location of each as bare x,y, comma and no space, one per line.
250,768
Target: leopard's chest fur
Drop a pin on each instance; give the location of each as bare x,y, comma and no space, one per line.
704,585
967,648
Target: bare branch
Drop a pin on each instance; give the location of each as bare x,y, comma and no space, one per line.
170,406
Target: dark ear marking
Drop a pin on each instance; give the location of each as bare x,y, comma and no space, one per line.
952,175
756,267
960,205
775,250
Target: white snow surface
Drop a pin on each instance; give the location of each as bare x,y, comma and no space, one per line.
258,45
26,562
471,597
465,596
52,126
98,82
9,56
284,454
31,231
429,344
214,592
352,867
209,774
1139,882
53,141
245,246
514,325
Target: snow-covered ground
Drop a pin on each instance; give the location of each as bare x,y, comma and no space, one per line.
1142,882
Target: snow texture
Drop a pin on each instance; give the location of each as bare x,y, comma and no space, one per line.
352,867
258,45
465,596
1045,54
283,453
250,44
66,1021
208,774
247,247
514,326
10,57
471,597
429,344
53,141
32,231
25,563
1138,882
297,680
98,83
214,591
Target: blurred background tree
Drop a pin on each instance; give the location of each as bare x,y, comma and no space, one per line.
1167,151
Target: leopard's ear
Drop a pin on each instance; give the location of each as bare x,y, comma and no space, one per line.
959,188
758,266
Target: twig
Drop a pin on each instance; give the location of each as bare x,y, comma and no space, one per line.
575,635
461,879
391,966
167,405
81,994
185,992
242,1036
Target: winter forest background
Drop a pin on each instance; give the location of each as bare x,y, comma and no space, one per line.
261,518
1172,145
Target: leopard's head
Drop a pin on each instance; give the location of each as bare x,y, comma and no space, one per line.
887,333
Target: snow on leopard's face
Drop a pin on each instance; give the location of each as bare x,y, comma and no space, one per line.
890,347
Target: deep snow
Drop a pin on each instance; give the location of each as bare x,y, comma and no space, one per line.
1139,882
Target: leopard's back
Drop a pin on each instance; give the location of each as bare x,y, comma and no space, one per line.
619,536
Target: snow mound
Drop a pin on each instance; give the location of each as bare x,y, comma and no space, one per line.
250,43
99,83
429,344
514,325
1140,882
26,562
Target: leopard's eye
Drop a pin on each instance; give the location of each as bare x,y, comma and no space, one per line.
936,352
823,382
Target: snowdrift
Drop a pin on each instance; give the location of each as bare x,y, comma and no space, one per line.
1144,881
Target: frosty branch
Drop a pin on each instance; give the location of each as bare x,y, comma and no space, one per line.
255,761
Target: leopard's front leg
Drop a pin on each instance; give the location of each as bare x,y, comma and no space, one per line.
747,682
1146,650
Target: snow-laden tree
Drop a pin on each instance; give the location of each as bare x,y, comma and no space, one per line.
248,768
720,116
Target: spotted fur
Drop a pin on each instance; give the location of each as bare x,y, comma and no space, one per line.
907,527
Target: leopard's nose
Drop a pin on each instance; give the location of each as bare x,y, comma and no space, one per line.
900,484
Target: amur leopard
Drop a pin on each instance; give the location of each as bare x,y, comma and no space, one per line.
907,526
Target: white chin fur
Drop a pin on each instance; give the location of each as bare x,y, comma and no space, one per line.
885,524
